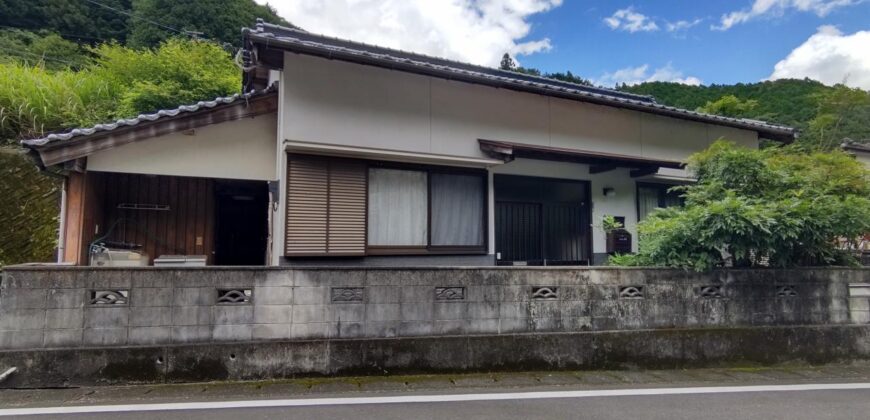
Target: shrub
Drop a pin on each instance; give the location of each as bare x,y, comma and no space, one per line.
749,208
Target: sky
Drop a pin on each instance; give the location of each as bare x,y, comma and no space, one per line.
617,41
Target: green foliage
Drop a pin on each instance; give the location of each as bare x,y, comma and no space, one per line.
824,114
77,20
121,83
779,207
220,20
28,210
731,106
609,223
508,63
44,48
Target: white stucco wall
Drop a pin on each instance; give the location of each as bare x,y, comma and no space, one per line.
329,102
239,149
334,102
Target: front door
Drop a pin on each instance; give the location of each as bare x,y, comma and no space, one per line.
542,221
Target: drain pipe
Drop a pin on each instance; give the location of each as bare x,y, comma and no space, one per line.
6,374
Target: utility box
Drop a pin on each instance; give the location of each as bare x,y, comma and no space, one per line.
618,242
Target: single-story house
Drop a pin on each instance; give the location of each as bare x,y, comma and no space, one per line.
861,150
341,152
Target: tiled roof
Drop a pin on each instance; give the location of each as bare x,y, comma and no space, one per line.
164,113
849,144
301,41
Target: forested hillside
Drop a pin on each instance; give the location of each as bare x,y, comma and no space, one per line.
824,114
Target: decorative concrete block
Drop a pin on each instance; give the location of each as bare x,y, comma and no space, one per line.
63,318
232,315
107,317
190,334
152,296
232,332
104,337
150,317
273,314
273,295
191,315
306,314
149,335
65,298
63,338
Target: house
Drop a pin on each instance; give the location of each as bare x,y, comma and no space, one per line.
347,153
861,150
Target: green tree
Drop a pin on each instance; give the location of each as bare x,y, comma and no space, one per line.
731,106
220,20
842,112
44,49
507,62
78,20
778,206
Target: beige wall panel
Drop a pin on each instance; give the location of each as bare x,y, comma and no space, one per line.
462,113
240,149
670,138
744,138
583,126
342,103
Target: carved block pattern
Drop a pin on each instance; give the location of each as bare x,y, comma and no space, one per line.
449,293
544,293
786,291
631,292
347,294
109,297
234,296
710,292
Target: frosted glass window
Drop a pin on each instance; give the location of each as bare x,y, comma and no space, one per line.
457,210
647,201
398,201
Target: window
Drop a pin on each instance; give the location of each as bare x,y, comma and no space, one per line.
653,196
457,209
426,210
397,208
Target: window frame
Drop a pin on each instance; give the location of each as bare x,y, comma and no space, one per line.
430,249
662,188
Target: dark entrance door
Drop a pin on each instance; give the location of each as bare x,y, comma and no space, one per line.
542,221
241,223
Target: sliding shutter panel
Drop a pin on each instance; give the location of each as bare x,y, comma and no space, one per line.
307,205
347,208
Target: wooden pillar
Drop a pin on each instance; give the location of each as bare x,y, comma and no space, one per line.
73,251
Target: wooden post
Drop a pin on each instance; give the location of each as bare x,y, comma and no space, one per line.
74,218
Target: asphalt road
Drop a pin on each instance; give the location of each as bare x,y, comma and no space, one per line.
762,402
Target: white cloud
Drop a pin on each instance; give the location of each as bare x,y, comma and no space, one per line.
629,20
640,74
475,31
681,25
830,57
777,7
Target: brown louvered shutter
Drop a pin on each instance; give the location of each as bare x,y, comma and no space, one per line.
307,204
326,206
347,208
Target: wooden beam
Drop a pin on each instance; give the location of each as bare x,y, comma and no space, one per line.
637,173
597,169
74,217
63,151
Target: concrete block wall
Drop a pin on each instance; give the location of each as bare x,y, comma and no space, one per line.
72,307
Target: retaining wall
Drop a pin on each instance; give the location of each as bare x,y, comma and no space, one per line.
75,307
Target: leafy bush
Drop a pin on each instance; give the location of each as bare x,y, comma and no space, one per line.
776,207
121,83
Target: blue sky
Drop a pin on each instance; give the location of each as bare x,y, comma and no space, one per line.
616,41
582,42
